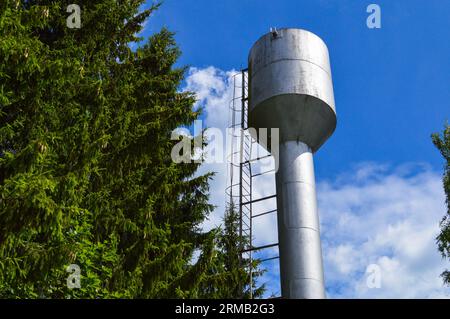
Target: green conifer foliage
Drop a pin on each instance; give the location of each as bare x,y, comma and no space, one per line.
230,277
443,239
86,175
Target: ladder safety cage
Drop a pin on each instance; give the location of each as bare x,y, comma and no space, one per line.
239,172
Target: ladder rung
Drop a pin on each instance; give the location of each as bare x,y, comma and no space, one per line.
260,247
243,222
265,213
259,199
246,195
243,186
249,176
256,159
266,172
246,215
267,259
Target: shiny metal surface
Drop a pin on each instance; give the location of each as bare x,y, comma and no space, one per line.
290,87
298,224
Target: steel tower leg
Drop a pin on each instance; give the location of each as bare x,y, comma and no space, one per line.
301,267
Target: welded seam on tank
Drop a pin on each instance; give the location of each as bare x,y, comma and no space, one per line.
292,182
256,106
272,62
315,279
305,227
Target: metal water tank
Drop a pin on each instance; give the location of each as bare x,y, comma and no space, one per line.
290,88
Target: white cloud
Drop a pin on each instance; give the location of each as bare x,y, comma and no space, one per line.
214,90
389,217
374,214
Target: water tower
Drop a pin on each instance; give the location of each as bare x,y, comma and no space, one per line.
290,88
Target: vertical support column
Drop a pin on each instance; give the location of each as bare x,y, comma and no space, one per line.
301,267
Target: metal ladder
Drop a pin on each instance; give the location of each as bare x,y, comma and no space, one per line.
240,164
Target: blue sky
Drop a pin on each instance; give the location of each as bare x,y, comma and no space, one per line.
392,85
392,90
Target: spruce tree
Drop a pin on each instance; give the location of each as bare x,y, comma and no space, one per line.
230,278
443,239
86,176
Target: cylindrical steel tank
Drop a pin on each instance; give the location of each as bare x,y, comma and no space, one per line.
290,88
